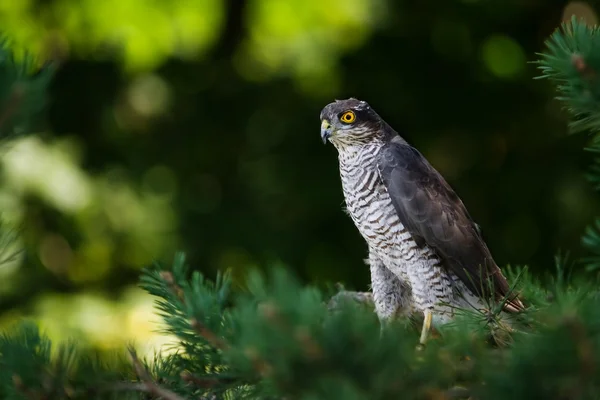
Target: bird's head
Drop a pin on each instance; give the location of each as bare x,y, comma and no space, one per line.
349,122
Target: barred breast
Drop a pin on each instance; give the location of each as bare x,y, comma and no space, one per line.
371,209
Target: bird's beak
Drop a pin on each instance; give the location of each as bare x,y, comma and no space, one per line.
326,130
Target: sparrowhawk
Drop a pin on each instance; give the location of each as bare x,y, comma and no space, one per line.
425,252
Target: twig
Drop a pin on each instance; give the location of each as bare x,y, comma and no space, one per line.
168,277
261,366
204,382
198,326
200,382
149,385
209,335
129,387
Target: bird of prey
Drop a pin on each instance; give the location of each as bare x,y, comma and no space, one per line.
425,252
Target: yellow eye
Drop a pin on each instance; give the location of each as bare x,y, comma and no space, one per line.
348,117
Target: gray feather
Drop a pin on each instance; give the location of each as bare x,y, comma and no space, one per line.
434,215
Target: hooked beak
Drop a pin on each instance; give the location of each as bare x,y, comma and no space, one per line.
326,130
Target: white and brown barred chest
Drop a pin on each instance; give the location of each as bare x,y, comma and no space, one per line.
370,207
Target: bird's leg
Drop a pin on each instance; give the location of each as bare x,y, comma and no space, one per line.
391,296
426,327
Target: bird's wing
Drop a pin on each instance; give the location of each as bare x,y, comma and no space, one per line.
435,216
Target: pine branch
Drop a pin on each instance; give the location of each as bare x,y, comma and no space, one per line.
210,336
23,88
149,385
572,61
278,339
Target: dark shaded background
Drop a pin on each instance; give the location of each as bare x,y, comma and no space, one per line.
256,187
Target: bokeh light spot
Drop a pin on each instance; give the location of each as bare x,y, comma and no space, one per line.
581,10
55,253
305,38
141,34
503,56
47,170
149,95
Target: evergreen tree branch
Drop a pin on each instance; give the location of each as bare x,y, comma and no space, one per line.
198,326
279,340
572,61
23,88
207,334
149,385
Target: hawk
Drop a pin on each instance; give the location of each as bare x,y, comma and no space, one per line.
425,251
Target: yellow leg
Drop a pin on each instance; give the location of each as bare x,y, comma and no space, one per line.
426,327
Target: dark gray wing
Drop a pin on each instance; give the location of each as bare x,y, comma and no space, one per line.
435,216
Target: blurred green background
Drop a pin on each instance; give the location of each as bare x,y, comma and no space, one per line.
194,125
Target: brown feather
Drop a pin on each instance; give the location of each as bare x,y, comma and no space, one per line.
434,215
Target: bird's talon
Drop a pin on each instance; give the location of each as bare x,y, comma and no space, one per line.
426,327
